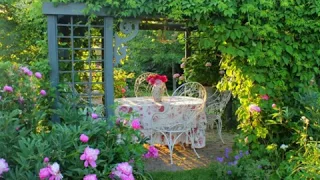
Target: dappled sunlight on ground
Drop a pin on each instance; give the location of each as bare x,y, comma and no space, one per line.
185,158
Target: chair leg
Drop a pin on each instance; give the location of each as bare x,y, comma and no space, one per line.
219,128
192,142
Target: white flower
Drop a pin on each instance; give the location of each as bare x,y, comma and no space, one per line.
284,147
55,171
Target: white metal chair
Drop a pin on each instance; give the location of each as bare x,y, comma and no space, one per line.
192,89
216,105
172,129
143,88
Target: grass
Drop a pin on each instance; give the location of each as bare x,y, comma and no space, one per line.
194,174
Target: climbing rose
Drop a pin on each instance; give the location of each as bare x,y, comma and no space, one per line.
135,124
3,166
254,108
43,92
84,138
38,75
265,97
274,105
176,75
89,157
152,152
208,64
7,89
94,116
181,78
183,65
123,90
90,177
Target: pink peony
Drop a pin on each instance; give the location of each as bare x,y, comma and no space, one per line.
124,168
94,116
183,65
44,173
89,157
123,171
43,92
38,75
265,97
55,172
176,75
3,166
84,138
7,89
208,64
135,124
152,152
90,177
254,108
46,160
26,70
274,105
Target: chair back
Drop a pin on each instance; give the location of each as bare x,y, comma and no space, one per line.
143,88
192,89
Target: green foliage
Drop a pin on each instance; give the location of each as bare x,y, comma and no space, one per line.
31,109
22,34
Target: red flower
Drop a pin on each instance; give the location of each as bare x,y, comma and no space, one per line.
153,78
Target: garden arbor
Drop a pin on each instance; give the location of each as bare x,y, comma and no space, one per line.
83,52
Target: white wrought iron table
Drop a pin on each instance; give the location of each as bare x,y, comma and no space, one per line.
145,108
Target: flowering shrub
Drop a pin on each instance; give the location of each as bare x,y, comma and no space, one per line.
156,79
82,147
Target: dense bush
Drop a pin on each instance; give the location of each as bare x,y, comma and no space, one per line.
33,149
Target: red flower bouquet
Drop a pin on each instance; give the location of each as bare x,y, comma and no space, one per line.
156,79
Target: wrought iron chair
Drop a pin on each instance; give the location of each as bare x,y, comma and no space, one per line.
143,88
216,105
192,89
172,128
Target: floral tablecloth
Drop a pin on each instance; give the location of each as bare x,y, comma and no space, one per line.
145,108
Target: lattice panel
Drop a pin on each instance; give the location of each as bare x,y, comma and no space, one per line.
80,57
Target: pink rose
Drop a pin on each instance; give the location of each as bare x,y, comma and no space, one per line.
43,92
3,166
84,138
38,75
135,124
176,75
254,108
94,116
208,64
274,105
265,97
123,90
90,156
44,173
7,89
90,177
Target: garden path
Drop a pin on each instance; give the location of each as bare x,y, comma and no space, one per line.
185,159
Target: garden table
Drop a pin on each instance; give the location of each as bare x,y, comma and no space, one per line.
146,107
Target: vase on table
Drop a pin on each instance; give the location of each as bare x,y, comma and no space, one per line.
157,91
